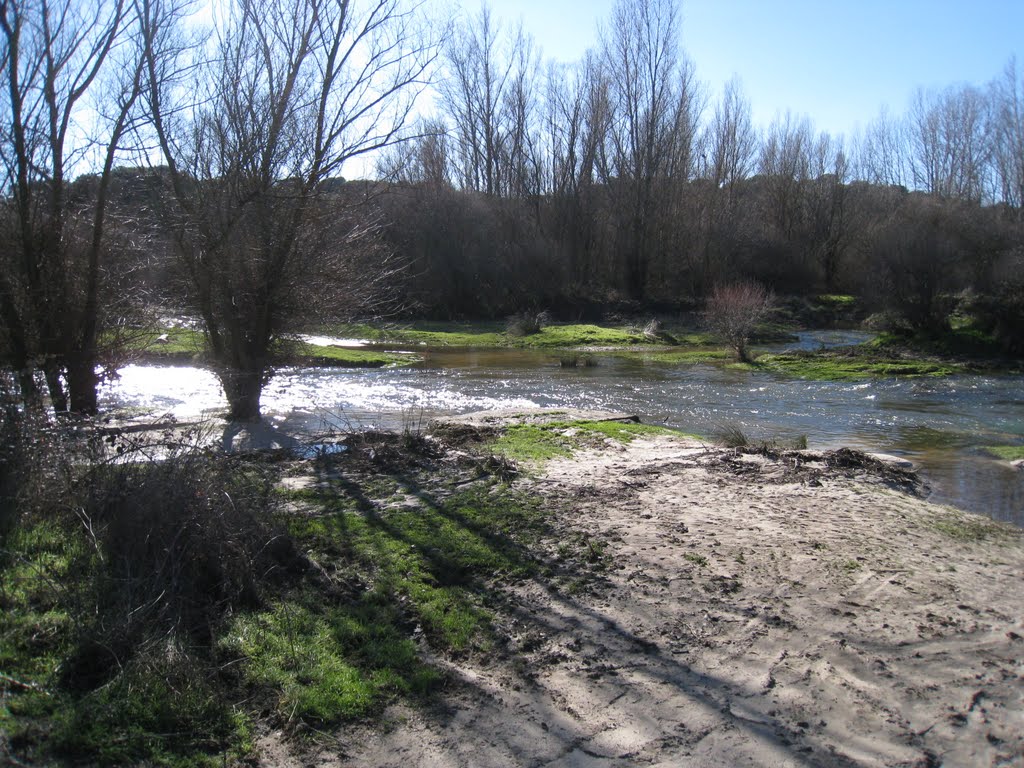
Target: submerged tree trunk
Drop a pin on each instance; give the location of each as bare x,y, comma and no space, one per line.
243,389
58,396
82,384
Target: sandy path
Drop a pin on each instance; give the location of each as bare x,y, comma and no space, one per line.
745,620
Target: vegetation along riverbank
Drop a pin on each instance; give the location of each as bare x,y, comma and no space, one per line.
515,587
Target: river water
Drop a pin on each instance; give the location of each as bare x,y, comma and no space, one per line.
940,424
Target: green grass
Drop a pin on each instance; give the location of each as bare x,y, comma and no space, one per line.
421,569
970,528
180,344
846,366
326,662
958,342
537,443
162,708
564,336
187,344
406,564
677,356
312,354
428,334
1005,452
494,335
836,300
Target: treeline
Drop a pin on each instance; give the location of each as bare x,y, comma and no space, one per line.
619,181
149,158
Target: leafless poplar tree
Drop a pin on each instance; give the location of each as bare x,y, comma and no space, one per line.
1007,136
489,95
882,152
730,139
56,58
948,142
291,92
655,106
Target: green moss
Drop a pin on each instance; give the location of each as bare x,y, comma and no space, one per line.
963,527
555,336
311,354
677,356
836,300
826,366
1006,452
169,344
533,442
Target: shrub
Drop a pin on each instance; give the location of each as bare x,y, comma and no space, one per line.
733,311
527,323
178,543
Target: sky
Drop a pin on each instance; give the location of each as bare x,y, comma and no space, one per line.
835,61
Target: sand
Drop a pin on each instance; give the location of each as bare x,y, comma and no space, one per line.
756,610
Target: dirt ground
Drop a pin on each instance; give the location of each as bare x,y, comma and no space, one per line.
780,610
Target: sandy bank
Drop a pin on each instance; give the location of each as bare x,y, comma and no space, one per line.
753,612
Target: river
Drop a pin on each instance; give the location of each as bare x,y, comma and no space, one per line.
940,424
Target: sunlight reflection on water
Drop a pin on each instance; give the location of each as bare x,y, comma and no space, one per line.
938,423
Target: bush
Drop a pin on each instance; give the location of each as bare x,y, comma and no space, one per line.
733,311
527,323
179,543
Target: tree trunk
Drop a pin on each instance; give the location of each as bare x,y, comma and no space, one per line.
82,383
58,397
243,390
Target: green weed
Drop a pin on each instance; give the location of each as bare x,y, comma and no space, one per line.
1005,452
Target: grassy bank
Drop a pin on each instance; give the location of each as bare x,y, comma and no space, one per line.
184,345
165,613
888,355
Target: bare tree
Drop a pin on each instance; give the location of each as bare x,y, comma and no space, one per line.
948,142
1007,97
785,164
827,209
56,58
489,95
292,92
730,139
654,108
733,311
882,152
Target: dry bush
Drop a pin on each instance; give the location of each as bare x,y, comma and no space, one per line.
177,545
733,311
527,323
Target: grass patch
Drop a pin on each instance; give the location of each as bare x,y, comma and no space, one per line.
494,335
836,300
312,354
326,663
540,442
677,356
161,708
167,344
413,565
428,334
1005,452
972,529
850,366
958,342
555,336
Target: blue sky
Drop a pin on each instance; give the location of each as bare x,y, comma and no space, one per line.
837,61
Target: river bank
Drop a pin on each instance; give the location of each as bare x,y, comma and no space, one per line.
560,588
749,609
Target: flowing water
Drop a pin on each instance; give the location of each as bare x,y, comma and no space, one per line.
940,424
